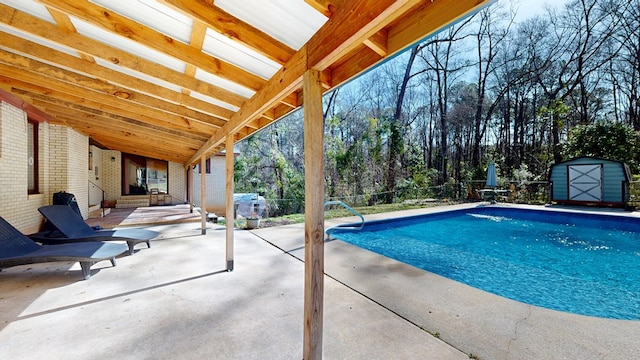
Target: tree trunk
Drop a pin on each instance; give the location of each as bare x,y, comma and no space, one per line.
395,141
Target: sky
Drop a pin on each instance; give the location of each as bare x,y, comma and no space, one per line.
528,8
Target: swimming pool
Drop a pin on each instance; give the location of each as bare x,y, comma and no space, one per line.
574,262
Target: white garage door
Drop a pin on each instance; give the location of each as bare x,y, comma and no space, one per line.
585,182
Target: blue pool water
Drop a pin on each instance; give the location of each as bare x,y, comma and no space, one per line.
580,263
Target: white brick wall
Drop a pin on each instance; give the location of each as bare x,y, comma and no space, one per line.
95,180
216,185
16,205
62,165
69,161
78,180
177,183
111,164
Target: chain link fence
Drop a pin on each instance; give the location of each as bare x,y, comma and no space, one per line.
528,192
634,194
517,192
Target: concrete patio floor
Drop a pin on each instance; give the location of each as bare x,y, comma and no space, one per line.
175,301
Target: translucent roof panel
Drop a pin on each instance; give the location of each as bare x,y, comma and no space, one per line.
235,53
154,15
127,45
139,75
292,22
31,7
38,40
211,100
223,83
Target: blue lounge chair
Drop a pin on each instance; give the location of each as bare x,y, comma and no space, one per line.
17,249
69,227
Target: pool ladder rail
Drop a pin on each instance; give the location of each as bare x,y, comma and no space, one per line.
350,226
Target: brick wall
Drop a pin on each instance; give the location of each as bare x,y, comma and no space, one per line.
112,182
95,174
177,183
78,180
216,186
69,163
58,158
16,205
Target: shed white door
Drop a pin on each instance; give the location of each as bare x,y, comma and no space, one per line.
585,182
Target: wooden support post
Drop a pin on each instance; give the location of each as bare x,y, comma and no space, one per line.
190,188
313,215
203,194
229,216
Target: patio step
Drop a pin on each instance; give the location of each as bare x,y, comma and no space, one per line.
132,202
95,211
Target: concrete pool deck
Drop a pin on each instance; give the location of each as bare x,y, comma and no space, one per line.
176,301
474,321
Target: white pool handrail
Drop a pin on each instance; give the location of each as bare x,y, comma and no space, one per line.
344,226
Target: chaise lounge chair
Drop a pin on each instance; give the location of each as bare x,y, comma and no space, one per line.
69,227
17,249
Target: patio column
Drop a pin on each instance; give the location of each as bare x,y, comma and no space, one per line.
313,215
203,194
230,214
190,187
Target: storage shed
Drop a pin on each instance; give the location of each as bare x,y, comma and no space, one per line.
590,181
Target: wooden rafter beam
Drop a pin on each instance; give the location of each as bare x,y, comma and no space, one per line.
171,123
198,33
378,43
64,22
115,77
427,19
281,110
344,33
354,64
424,21
114,144
131,147
45,70
63,92
105,127
114,136
234,28
83,44
63,107
120,25
326,7
155,137
284,82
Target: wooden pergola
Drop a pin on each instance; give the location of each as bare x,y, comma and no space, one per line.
180,80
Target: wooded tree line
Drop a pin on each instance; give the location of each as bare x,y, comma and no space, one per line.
487,88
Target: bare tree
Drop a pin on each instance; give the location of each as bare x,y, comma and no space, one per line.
625,69
493,30
395,141
441,57
578,44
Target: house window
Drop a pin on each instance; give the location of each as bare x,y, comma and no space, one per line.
141,175
32,157
207,167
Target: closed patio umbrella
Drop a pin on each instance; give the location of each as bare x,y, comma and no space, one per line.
492,179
